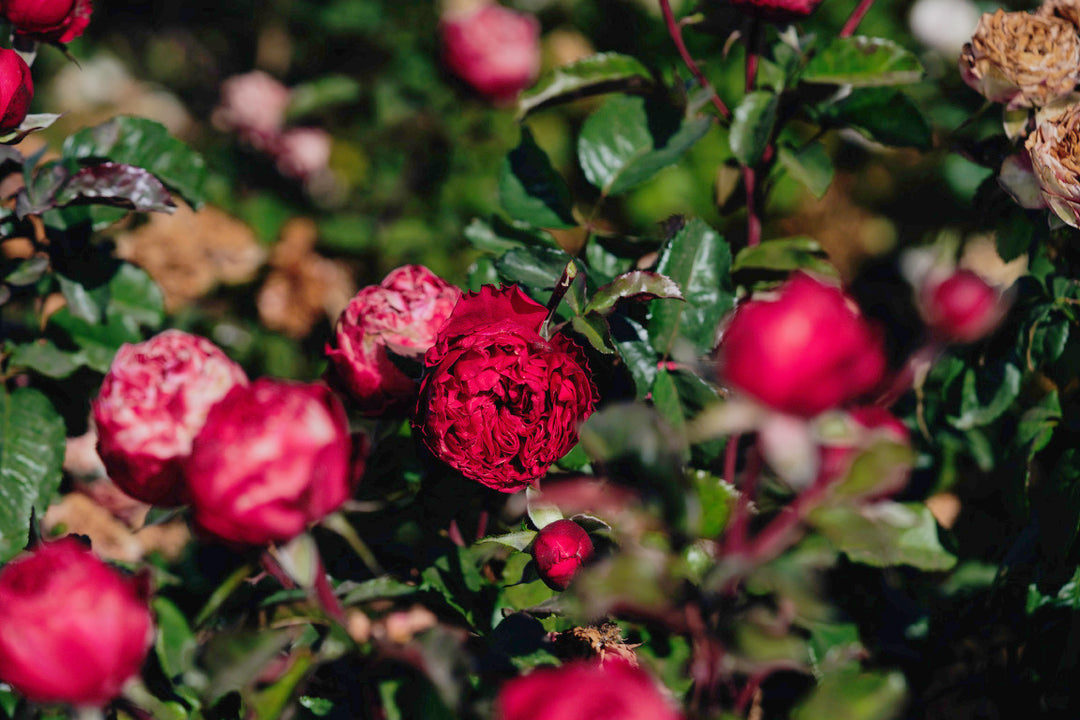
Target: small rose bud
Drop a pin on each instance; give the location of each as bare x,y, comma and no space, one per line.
560,549
272,458
803,352
494,49
1053,149
75,629
962,308
48,20
778,11
16,90
152,404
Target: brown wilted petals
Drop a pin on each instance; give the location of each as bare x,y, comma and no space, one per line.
1055,157
1068,10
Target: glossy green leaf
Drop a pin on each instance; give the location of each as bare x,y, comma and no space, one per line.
783,255
538,268
517,540
45,358
855,695
811,166
119,185
175,644
636,285
632,343
886,115
987,393
497,235
593,75
531,190
862,62
752,125
594,328
885,534
28,271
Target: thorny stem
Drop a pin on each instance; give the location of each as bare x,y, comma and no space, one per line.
567,279
675,31
855,18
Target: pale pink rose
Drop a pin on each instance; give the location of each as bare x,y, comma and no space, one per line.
303,152
253,106
153,402
1054,147
494,49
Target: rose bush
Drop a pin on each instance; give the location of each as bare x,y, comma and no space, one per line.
49,20
75,629
1053,147
499,402
152,403
16,90
559,550
494,49
272,458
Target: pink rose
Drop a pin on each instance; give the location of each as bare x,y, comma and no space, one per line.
494,49
48,20
75,629
803,352
498,402
780,11
962,307
253,105
152,404
272,458
16,90
584,691
303,152
559,550
401,314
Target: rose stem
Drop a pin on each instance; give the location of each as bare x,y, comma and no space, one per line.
777,535
567,279
855,18
324,593
675,31
735,537
749,174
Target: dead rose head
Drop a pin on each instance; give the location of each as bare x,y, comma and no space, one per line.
16,90
1021,59
1068,10
559,550
401,315
272,458
494,49
499,402
75,629
804,351
779,11
584,691
1054,147
48,20
153,402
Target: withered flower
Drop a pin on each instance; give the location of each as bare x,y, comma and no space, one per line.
1068,10
1055,156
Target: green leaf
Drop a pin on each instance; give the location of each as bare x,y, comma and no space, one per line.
84,304
886,115
752,125
855,695
811,166
699,261
377,589
632,343
1001,382
497,236
321,93
715,501
31,455
602,73
628,140
540,513
665,397
175,645
530,190
594,328
45,358
783,255
885,534
28,271
118,185
134,295
538,268
1067,596
145,144
1056,502
636,285
862,62
517,540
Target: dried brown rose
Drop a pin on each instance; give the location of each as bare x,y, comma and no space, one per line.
1065,9
1021,59
1055,157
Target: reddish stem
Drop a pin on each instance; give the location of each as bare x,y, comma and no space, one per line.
855,18
749,174
324,594
777,535
735,539
675,31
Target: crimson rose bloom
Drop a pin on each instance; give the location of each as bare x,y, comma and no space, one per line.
803,352
493,48
272,458
75,629
48,20
559,550
402,314
961,308
152,404
780,11
16,90
584,691
499,402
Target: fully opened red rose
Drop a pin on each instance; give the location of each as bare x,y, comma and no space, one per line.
498,402
50,20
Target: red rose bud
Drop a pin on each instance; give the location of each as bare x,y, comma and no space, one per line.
778,11
494,49
48,20
498,402
16,90
802,352
962,308
584,691
869,425
152,404
75,629
272,458
560,549
402,313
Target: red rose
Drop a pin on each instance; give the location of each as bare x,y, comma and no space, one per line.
272,458
560,549
402,313
962,308
870,424
584,691
494,49
16,90
805,351
48,20
152,404
75,629
498,402
779,11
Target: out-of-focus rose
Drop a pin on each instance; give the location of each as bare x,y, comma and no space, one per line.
802,352
867,425
1021,59
16,89
401,314
253,106
498,402
584,691
961,307
272,458
152,404
560,549
494,49
303,152
780,11
75,629
1054,147
48,20
944,25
